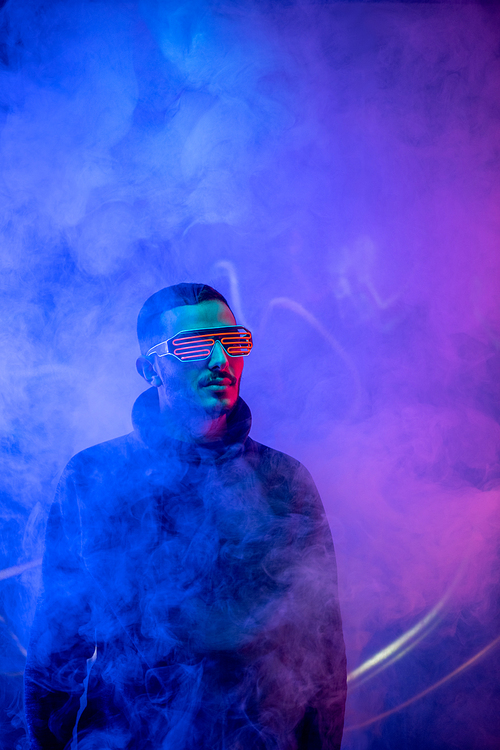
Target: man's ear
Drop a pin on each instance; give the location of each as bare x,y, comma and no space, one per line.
146,370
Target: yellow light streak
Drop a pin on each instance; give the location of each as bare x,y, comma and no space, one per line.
469,663
393,647
389,654
382,666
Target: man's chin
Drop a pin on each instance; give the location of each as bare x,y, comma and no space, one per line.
217,405
217,409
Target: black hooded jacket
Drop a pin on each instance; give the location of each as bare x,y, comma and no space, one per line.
189,601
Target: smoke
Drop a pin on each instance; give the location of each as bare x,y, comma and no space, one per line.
332,168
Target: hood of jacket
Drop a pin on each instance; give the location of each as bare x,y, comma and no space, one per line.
151,431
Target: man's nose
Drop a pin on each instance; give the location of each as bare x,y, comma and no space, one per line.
218,358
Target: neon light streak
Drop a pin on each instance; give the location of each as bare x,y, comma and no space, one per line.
296,307
18,569
392,649
234,286
417,632
469,663
18,644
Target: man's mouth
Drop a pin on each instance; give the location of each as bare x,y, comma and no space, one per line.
223,382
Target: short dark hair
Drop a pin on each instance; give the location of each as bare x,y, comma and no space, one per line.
149,323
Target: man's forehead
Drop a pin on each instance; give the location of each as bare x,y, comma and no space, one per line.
203,315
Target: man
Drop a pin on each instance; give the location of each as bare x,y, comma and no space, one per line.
190,595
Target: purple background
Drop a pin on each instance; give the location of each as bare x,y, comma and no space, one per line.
333,168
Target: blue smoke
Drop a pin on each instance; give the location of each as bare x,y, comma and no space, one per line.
332,169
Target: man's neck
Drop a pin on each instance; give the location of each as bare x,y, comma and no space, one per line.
194,428
210,430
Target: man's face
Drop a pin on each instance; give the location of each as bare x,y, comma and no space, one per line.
210,385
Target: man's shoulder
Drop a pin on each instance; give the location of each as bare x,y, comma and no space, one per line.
271,455
288,483
276,461
105,457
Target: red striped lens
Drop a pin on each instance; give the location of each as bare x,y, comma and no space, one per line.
189,346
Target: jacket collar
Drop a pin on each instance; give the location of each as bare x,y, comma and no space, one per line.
149,428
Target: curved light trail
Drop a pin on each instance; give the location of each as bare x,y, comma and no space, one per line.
406,642
298,309
16,570
234,287
390,652
466,665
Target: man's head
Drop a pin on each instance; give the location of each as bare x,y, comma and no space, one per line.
202,389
